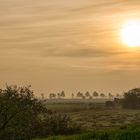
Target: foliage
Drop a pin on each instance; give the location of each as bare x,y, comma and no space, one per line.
102,95
95,94
19,113
57,124
22,116
132,99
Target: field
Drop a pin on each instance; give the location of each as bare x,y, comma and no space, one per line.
91,115
98,122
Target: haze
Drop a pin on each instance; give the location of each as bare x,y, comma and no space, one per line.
68,45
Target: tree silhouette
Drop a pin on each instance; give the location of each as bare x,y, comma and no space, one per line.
110,95
132,99
19,113
102,95
62,94
79,94
58,95
87,94
72,95
95,94
42,96
117,95
52,95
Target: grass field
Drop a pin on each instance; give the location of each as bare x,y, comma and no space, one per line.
97,121
91,115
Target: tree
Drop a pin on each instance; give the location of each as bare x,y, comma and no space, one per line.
132,99
62,94
42,96
117,95
72,95
24,117
58,95
102,95
52,95
110,95
19,113
79,94
87,94
95,94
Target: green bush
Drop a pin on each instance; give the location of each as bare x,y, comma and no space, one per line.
23,117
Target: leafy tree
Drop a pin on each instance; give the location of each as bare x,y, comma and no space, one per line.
132,99
117,95
110,95
95,94
19,113
79,94
102,95
87,94
42,96
52,95
24,117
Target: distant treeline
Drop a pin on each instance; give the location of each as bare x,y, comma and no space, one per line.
80,95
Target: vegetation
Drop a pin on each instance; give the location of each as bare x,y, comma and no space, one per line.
25,117
132,99
119,134
90,115
19,113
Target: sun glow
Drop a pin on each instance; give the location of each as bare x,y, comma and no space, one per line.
130,33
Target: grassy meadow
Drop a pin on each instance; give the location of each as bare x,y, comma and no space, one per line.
97,121
93,115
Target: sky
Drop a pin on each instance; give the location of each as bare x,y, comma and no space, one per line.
71,45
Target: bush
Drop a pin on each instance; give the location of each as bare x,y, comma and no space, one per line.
132,99
58,124
23,117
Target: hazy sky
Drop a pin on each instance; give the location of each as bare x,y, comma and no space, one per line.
68,44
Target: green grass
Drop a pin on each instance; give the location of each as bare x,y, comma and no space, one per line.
128,134
99,122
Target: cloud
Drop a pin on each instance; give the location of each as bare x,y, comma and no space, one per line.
81,52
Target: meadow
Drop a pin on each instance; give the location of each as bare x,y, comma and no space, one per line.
95,115
97,121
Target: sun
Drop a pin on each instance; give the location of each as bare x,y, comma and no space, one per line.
130,33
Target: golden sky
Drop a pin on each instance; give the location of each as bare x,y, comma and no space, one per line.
68,44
